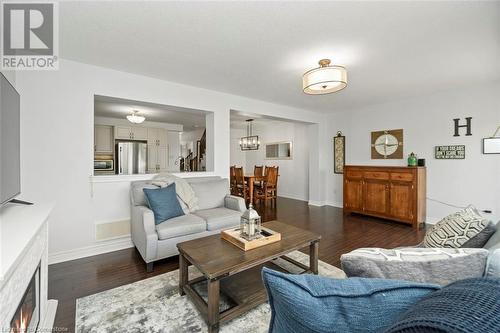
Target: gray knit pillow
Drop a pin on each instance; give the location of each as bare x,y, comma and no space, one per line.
456,229
440,266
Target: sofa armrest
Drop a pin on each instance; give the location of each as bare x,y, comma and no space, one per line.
143,230
235,203
429,265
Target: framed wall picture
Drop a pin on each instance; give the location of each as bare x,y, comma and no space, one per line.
387,144
491,145
338,153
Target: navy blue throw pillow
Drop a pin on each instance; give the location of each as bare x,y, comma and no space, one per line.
163,202
311,303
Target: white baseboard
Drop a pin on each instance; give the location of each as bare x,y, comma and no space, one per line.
432,220
291,196
316,203
97,248
335,204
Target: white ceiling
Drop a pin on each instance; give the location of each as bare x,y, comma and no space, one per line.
258,49
119,108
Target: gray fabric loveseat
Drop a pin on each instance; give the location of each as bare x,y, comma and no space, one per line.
217,210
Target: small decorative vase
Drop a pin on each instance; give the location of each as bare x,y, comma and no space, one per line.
412,160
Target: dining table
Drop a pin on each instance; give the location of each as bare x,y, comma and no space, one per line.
250,180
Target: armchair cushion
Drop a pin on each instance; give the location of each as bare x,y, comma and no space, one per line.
310,303
219,218
164,203
494,241
430,265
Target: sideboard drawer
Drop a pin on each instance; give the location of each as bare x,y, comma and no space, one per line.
354,174
402,176
377,175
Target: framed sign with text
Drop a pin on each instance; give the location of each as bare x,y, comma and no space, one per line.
453,152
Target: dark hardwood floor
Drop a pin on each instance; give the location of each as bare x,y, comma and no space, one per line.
340,234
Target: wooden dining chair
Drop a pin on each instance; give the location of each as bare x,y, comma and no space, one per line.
269,189
258,171
241,188
232,179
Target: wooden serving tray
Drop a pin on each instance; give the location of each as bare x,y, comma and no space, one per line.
233,236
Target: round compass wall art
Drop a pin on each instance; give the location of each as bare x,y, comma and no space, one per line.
387,144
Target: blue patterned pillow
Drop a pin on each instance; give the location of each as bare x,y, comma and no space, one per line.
310,303
163,202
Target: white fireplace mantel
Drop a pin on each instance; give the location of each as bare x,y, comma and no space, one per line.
23,246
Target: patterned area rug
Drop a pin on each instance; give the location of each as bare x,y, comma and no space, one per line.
154,305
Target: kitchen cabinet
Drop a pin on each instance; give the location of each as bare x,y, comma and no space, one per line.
157,136
396,193
131,133
157,150
103,139
174,151
157,159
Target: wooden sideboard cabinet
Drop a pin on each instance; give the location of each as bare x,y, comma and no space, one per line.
395,193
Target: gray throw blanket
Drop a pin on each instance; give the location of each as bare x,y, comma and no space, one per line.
184,191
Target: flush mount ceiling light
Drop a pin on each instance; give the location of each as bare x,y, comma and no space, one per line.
325,79
250,142
135,117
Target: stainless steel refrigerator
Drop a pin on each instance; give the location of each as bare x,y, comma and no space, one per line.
131,158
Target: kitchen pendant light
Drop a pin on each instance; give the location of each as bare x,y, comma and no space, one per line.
135,117
325,79
250,142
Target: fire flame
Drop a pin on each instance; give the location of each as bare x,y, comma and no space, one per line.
21,325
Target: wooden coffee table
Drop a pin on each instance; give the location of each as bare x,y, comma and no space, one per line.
235,273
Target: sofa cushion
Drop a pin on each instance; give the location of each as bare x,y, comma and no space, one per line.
465,306
310,303
431,265
138,196
456,229
180,226
481,238
211,194
219,218
164,203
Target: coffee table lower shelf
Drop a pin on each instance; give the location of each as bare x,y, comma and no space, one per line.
237,293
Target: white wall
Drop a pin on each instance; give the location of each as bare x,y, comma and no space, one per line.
237,157
427,122
294,174
57,143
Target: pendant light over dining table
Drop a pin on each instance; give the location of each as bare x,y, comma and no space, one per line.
250,142
324,79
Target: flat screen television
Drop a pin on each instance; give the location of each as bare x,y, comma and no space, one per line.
10,157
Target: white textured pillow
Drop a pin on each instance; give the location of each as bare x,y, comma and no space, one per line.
456,229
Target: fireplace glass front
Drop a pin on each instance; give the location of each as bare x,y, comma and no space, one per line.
27,315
